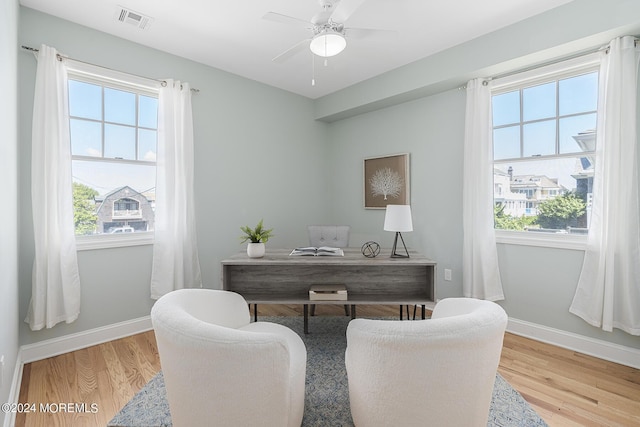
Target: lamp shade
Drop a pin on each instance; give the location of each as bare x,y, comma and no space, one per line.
328,43
398,218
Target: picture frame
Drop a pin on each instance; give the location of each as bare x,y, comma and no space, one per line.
386,181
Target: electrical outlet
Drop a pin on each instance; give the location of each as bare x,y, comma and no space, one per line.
447,274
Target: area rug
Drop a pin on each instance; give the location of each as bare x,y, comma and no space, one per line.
326,395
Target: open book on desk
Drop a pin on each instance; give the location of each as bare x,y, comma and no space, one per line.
321,251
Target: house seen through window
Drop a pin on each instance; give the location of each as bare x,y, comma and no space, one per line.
544,151
113,129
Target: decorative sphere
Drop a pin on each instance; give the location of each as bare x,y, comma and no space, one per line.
370,249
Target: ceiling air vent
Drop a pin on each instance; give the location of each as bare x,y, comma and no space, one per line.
128,16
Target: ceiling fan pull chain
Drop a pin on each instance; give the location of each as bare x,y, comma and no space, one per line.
313,70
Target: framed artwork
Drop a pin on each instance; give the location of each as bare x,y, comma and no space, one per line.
386,181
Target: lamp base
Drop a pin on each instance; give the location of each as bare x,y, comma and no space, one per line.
394,253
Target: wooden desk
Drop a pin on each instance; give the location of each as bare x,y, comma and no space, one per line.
278,278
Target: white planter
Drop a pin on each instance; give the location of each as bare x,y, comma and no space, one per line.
255,250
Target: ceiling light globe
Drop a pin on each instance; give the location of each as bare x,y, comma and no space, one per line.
328,43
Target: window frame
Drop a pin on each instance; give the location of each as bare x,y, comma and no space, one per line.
93,74
569,68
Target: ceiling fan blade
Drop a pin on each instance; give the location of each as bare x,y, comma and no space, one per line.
370,34
297,48
285,19
345,9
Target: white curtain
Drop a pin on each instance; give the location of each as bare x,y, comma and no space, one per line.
175,252
55,293
481,276
608,292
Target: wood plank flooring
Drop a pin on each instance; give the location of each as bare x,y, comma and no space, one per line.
564,387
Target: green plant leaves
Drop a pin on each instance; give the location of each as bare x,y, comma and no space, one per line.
257,234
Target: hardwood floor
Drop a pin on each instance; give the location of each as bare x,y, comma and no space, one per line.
564,387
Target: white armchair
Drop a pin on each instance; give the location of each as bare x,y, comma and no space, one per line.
220,369
437,372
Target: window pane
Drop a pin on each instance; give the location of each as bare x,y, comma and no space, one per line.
539,139
506,142
578,94
86,138
148,112
147,145
119,142
85,100
112,196
119,106
108,182
577,133
506,108
548,186
527,186
539,102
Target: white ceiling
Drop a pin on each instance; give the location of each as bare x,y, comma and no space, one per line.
232,36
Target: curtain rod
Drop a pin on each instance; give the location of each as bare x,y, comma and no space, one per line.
60,57
551,62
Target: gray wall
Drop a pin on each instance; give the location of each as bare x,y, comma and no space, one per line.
415,110
418,109
539,283
252,143
430,130
9,211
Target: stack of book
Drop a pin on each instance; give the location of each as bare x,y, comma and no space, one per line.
328,293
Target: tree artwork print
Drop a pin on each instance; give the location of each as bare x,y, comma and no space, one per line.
386,181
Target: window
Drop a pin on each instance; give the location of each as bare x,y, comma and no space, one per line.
544,127
113,123
124,206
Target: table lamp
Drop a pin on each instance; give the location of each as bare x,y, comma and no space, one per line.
398,219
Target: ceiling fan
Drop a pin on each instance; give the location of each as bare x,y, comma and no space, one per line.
328,33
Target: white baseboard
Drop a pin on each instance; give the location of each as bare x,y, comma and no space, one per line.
53,347
605,350
14,392
593,347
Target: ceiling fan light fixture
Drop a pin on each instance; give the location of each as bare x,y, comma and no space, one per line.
328,43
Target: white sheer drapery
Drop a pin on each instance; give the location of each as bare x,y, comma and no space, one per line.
608,291
481,276
55,293
175,251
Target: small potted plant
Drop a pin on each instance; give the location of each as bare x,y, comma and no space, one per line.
257,237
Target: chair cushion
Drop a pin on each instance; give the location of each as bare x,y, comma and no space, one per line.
336,236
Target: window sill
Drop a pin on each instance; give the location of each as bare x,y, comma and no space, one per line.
106,241
559,241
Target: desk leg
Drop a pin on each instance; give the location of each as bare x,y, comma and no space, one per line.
415,308
306,318
353,311
408,315
255,312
